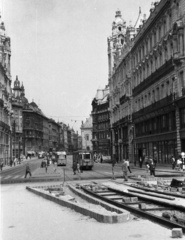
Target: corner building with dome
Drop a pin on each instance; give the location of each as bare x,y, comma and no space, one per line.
147,84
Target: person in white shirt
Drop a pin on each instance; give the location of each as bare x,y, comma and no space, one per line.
128,165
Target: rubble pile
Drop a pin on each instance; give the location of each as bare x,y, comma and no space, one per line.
175,186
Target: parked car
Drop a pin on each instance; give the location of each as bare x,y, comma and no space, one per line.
106,158
41,154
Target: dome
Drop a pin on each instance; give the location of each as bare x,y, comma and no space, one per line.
118,17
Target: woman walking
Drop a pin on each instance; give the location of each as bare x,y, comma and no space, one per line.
125,170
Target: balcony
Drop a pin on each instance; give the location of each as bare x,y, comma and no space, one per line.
94,140
155,106
166,68
4,126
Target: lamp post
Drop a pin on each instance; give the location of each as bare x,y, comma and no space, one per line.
14,134
109,145
19,149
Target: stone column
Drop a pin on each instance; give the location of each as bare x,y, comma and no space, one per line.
181,43
177,115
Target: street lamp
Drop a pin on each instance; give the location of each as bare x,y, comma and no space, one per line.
14,137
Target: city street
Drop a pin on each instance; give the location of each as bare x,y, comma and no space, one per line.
92,119
32,217
65,173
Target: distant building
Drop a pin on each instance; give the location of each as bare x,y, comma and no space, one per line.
32,128
5,97
86,133
79,142
54,134
101,122
74,140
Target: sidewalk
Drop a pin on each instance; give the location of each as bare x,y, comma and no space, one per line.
6,167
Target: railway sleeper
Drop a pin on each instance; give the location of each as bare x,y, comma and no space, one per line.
138,211
174,218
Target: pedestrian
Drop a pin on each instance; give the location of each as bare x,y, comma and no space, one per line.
155,161
179,163
78,168
1,165
95,157
28,171
128,165
113,165
147,164
14,162
101,158
125,170
173,162
53,158
140,162
55,166
74,167
152,168
11,163
46,167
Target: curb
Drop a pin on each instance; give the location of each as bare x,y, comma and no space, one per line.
122,217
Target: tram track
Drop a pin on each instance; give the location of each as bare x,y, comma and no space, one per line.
164,213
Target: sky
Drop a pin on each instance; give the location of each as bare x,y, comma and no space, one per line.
59,50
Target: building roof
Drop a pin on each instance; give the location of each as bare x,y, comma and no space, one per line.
102,95
87,123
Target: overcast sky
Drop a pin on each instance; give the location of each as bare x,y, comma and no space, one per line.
59,50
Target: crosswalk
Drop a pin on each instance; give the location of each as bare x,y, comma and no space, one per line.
8,177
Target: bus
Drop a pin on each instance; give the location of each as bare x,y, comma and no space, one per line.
84,158
61,158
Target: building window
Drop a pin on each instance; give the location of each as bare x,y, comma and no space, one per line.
159,33
182,79
162,91
167,88
153,96
158,95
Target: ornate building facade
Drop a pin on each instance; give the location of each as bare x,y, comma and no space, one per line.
32,129
18,101
5,97
101,122
147,82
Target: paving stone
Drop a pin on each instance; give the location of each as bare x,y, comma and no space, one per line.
134,199
126,199
177,233
142,206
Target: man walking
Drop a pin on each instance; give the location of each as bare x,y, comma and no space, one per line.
152,168
1,166
128,165
28,171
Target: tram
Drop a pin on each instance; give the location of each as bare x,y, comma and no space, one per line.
61,158
84,158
